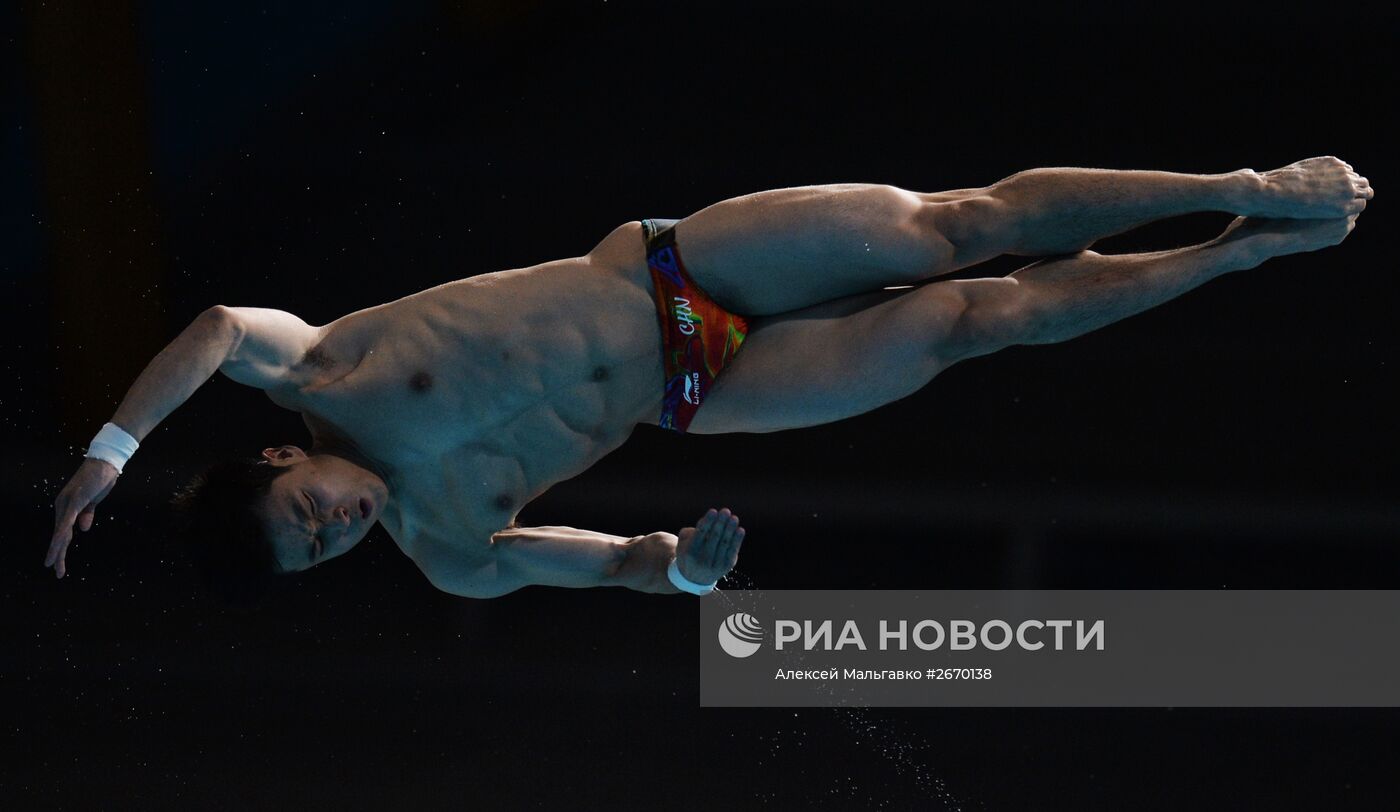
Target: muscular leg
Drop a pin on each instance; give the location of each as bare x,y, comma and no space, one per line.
824,363
786,249
845,357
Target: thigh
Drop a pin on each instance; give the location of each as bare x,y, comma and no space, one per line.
785,249
825,363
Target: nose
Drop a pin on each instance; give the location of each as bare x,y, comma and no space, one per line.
342,516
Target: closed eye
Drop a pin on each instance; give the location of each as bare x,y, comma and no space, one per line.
316,544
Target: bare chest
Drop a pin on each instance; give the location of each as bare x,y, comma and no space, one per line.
481,397
447,508
567,348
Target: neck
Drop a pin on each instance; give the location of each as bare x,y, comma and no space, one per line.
338,446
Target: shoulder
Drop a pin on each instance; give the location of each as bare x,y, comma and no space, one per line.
268,345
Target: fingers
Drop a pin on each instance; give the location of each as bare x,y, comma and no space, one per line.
723,536
56,544
65,514
714,544
1361,186
705,530
58,550
727,533
76,507
68,517
730,555
718,523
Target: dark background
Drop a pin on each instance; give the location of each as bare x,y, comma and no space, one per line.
319,157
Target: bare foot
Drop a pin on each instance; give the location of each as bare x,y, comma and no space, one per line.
1276,237
1315,188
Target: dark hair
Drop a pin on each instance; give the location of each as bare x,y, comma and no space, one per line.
216,526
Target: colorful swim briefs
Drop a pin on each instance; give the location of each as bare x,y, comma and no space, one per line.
698,337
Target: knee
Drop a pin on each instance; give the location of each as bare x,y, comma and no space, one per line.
919,241
977,317
974,229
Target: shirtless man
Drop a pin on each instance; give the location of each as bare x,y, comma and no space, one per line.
441,414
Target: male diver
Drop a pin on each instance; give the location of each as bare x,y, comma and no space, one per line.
439,415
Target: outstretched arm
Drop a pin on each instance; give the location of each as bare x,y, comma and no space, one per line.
569,557
255,346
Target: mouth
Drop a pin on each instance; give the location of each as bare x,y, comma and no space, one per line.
366,508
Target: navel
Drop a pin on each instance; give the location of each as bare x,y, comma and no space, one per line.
504,502
420,382
601,373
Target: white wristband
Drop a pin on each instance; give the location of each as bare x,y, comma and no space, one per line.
112,445
684,584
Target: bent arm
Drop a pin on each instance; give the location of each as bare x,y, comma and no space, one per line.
251,345
561,556
177,371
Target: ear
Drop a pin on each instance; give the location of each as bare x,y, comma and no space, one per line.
283,453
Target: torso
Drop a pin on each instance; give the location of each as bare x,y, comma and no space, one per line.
478,395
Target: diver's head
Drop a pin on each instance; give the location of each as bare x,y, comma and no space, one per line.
221,531
317,507
245,522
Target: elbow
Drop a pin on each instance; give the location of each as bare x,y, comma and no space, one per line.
218,314
640,563
623,560
223,322
617,558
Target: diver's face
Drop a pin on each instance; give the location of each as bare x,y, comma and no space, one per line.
321,507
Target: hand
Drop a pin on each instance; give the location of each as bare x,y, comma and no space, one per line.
76,505
705,552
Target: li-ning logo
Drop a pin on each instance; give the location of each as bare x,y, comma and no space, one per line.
692,389
684,322
740,635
